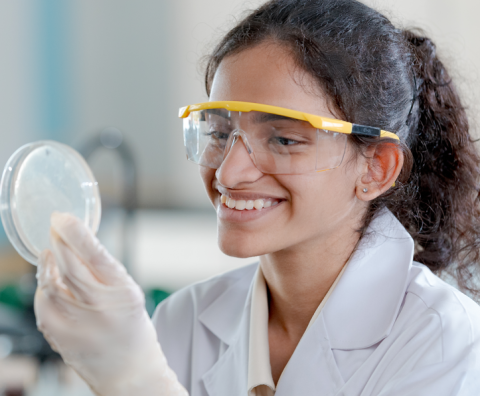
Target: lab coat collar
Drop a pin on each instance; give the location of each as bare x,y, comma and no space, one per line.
363,307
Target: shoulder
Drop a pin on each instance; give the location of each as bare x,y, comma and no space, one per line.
434,344
456,316
444,299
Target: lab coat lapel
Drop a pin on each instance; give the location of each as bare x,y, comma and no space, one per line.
224,314
312,369
228,317
229,375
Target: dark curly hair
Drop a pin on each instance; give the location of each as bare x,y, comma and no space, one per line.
376,74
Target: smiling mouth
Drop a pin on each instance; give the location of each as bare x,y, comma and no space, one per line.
240,204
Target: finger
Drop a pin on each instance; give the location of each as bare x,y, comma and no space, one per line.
48,274
55,295
53,313
88,248
54,286
74,273
42,268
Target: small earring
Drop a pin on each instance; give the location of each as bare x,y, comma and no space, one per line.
365,190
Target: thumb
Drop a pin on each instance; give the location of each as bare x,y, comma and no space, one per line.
81,240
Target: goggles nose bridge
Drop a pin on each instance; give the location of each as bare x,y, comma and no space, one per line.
233,138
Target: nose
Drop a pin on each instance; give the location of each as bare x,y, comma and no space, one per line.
237,167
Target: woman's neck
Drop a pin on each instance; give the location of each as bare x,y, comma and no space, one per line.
298,278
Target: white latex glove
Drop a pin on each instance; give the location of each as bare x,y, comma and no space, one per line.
93,313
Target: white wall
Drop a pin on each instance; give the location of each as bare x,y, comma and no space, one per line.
136,64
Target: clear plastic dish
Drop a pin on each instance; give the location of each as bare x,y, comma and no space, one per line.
38,179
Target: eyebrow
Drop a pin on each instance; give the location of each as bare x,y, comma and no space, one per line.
220,112
267,117
258,117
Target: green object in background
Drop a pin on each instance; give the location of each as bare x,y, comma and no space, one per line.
12,296
154,297
159,295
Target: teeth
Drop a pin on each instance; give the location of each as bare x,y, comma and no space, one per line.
230,203
241,204
258,204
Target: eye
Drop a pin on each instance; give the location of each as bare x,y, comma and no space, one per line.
217,135
285,141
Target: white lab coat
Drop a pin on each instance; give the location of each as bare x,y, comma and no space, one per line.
390,327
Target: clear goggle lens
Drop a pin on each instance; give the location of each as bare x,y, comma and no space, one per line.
276,144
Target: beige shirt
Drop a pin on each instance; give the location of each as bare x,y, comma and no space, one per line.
260,380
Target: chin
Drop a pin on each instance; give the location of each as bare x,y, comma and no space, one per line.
235,249
239,246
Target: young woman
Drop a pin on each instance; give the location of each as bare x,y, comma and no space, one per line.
350,219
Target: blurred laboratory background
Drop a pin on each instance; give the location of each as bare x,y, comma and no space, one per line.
107,77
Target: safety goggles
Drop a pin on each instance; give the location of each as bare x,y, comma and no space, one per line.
278,140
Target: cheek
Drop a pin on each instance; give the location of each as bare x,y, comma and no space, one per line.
322,198
208,175
332,186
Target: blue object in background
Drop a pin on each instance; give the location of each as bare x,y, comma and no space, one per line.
55,98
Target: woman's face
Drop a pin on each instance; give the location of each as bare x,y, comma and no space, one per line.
312,208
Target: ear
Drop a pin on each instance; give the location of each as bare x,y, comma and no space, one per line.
383,164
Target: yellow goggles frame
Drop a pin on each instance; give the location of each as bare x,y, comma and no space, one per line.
330,124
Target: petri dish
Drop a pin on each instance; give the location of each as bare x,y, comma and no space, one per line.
39,179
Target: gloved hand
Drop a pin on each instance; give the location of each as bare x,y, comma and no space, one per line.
93,313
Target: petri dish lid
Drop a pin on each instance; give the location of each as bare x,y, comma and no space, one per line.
38,179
